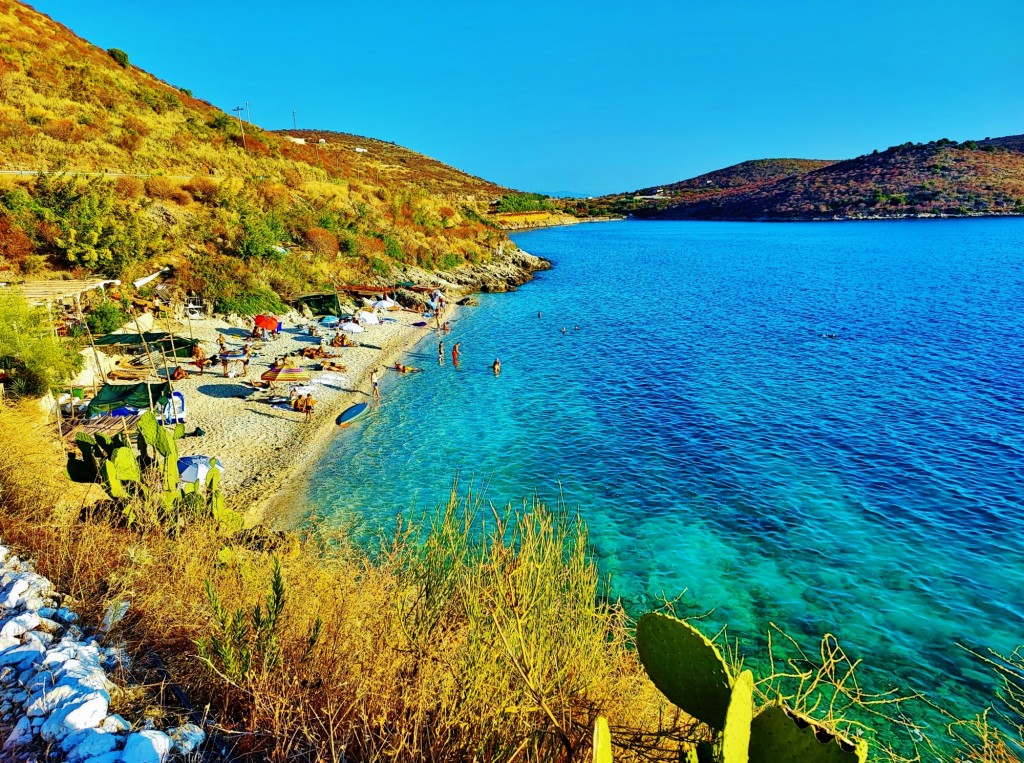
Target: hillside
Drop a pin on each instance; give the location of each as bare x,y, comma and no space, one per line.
737,179
244,215
938,178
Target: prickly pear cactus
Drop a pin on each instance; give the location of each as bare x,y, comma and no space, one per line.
777,733
735,740
685,666
602,741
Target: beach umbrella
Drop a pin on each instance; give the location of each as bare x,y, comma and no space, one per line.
268,322
286,375
330,320
352,328
194,468
384,304
368,318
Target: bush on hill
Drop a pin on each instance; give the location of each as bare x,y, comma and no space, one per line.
120,56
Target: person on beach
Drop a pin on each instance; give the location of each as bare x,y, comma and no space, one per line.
308,407
456,353
496,366
224,362
447,327
199,358
222,343
246,353
375,384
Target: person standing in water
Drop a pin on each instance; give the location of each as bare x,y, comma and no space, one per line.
456,353
375,384
440,353
496,366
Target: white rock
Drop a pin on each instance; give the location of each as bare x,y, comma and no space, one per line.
4,551
187,738
48,700
85,713
12,594
20,736
40,638
110,757
9,642
88,743
16,626
115,724
146,747
23,655
66,616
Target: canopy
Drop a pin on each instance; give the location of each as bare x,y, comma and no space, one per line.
268,322
158,341
286,375
368,318
195,468
114,396
352,328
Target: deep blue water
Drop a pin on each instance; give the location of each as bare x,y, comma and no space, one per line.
870,485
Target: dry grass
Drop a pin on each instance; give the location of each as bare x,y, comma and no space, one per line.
466,637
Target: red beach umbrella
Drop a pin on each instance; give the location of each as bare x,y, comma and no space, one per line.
268,322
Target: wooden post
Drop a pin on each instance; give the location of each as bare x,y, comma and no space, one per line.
95,352
149,355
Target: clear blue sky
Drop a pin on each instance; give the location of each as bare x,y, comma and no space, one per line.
591,97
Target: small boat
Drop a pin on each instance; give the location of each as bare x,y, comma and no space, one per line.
351,414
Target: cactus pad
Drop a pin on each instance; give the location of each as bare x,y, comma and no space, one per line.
735,740
685,666
777,733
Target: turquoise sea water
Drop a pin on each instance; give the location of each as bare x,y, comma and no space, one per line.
869,485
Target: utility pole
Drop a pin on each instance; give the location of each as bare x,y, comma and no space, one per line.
248,116
238,112
295,125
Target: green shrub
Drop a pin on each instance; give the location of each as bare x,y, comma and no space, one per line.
106,318
524,202
250,303
393,249
119,55
29,351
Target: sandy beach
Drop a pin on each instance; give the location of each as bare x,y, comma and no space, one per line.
267,451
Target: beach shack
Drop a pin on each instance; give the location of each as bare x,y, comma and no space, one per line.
132,399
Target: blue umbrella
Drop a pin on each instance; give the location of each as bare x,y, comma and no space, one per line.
195,468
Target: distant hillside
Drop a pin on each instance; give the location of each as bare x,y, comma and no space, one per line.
179,182
938,178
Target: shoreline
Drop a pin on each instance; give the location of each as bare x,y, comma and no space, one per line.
268,453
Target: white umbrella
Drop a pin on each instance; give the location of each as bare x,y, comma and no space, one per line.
352,328
194,468
368,318
384,304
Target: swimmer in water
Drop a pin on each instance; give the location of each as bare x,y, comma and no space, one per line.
496,366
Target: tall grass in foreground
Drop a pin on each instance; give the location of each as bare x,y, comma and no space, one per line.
450,644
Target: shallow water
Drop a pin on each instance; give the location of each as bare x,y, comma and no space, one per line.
869,485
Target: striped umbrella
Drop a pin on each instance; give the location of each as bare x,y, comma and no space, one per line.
286,375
